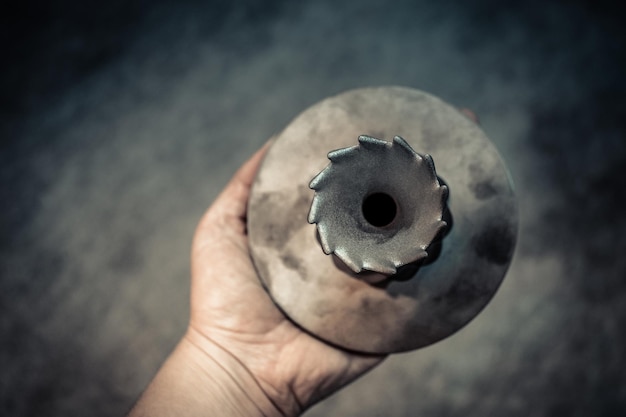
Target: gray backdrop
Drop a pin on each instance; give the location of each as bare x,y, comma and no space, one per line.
122,121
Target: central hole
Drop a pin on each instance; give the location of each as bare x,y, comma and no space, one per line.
379,209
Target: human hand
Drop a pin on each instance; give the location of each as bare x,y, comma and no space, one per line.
233,317
240,355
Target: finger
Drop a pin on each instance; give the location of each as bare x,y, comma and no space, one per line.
470,114
230,205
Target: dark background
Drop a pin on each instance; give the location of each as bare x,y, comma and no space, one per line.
121,120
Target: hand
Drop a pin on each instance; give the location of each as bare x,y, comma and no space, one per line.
240,354
231,310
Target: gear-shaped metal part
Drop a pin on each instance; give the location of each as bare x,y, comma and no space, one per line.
378,205
369,311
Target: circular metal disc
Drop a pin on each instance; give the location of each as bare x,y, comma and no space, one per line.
326,298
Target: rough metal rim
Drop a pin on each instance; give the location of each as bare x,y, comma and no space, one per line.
322,295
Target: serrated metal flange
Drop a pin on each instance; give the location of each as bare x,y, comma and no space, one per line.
377,167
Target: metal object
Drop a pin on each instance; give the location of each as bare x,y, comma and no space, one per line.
378,205
423,302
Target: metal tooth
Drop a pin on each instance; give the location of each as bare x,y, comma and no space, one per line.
444,201
421,254
398,140
327,246
431,166
319,180
445,192
351,263
340,154
371,143
384,268
314,211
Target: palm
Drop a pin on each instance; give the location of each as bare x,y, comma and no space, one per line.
230,307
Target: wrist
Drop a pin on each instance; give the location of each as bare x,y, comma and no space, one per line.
201,379
237,385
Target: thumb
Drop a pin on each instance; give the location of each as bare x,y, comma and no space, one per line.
229,209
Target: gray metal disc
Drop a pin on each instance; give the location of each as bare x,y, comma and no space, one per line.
325,297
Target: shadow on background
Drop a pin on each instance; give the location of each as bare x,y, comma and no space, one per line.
122,121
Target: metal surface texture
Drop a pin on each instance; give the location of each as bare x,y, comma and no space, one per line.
378,205
377,315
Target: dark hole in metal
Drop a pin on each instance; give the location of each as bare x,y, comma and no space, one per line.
379,209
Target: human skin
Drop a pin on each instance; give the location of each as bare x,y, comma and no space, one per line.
240,355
